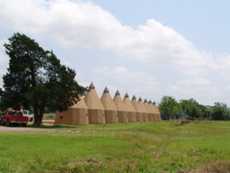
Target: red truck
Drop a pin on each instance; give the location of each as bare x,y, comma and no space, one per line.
14,118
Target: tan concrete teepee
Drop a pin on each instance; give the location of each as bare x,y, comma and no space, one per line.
156,112
138,108
130,109
109,107
144,111
149,111
152,111
76,114
121,110
95,107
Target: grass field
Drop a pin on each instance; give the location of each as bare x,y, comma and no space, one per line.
152,147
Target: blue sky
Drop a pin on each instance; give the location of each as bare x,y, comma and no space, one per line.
147,48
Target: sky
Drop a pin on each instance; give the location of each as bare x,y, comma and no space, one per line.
148,48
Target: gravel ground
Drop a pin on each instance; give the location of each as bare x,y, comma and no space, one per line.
20,129
27,129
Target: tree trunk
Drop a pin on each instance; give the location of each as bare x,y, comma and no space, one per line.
38,120
38,116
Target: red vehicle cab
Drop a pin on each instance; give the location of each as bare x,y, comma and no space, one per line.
14,118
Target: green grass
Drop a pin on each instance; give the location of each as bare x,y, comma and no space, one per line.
152,147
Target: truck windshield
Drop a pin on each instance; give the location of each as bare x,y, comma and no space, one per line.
15,113
19,114
12,113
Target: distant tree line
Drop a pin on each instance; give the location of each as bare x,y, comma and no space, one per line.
191,109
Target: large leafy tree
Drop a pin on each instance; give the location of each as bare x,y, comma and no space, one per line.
169,107
36,79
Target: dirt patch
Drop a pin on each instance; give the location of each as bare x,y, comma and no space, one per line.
215,167
182,122
82,166
97,166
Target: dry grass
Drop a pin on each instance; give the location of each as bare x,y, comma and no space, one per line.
214,167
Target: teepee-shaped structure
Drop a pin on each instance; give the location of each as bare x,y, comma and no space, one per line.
149,110
95,107
138,109
109,107
144,110
152,110
76,114
131,115
157,113
121,110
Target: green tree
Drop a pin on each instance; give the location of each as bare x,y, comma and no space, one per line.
220,111
205,112
1,94
191,108
169,107
36,79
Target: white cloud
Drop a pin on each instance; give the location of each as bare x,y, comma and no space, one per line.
86,25
133,82
79,24
3,62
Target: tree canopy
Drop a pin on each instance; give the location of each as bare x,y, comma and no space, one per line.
36,79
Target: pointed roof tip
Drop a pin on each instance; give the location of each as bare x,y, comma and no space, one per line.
134,98
117,93
106,90
91,86
126,95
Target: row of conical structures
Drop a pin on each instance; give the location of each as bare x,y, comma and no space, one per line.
94,110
